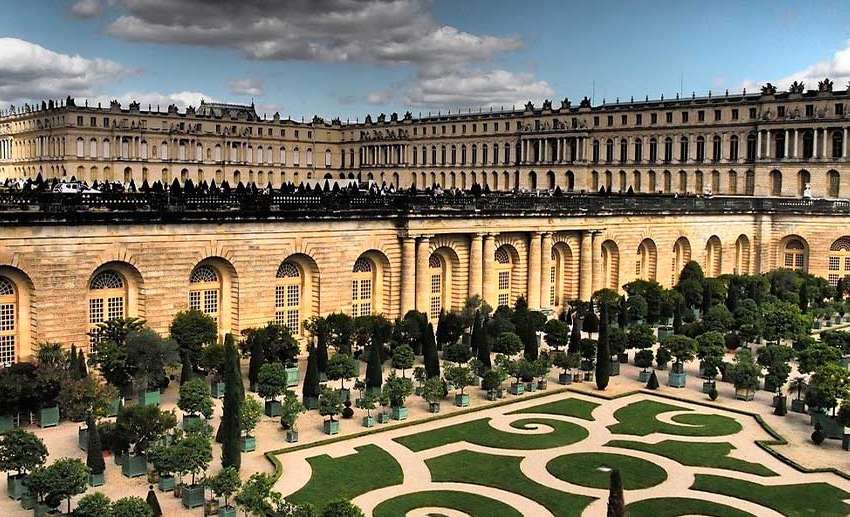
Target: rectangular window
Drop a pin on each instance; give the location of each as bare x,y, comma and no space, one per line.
780,111
293,321
839,109
669,117
718,115
293,295
504,280
610,120
734,113
833,280
96,311
195,300
653,118
7,349
753,113
595,121
115,308
7,317
684,117
810,110
211,303
834,263
503,299
701,116
639,119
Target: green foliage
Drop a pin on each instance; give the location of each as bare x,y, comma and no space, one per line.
662,355
460,376
191,330
141,425
330,403
748,320
637,308
21,451
232,407
815,356
403,358
557,333
744,372
682,348
150,354
433,390
783,321
643,358
566,361
62,479
84,396
195,398
690,284
94,450
603,351
527,323
250,414
310,389
374,368
213,358
459,353
195,453
225,483
165,458
718,318
837,338
96,504
341,332
617,340
507,343
652,294
271,380
640,336
341,508
827,385
342,367
429,352
290,409
775,359
131,506
710,350
397,389
449,328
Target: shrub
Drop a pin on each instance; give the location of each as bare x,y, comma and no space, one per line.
94,505
640,336
131,506
250,414
397,389
508,343
21,451
225,483
195,398
271,380
403,358
342,367
341,508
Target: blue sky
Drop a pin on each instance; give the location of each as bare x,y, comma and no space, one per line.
347,58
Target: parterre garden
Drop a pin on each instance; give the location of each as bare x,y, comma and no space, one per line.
553,456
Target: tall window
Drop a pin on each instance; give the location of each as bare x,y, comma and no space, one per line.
775,183
611,264
681,256
107,299
205,291
8,321
742,255
839,260
287,297
646,260
794,255
362,286
503,276
713,256
435,305
553,279
833,180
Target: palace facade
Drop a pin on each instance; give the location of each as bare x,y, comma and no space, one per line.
68,263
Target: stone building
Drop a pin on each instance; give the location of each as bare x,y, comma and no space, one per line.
67,265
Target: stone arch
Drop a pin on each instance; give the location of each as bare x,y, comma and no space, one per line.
310,276
794,253
379,284
839,260
713,256
646,261
24,315
681,256
447,291
228,297
134,282
610,265
563,275
742,255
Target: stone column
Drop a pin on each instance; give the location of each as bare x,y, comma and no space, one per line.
475,266
596,263
758,145
585,279
787,137
423,280
796,143
844,145
408,275
767,152
814,143
825,140
545,266
534,270
489,278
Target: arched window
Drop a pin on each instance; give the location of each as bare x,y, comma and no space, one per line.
683,181
668,149
287,297
775,183
595,180
81,147
561,276
623,181
833,181
636,181
653,183
8,321
668,182
436,298
571,181
713,256
742,255
504,270
362,287
107,298
681,256
750,183
328,158
803,178
532,180
646,261
733,182
839,260
715,182
795,254
205,291
611,265
92,148
699,185
733,148
609,151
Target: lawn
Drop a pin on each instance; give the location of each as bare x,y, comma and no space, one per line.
592,469
348,476
677,506
480,432
566,407
503,472
696,454
473,505
640,418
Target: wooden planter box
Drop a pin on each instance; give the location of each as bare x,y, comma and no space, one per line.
492,395
115,406
462,400
15,486
48,417
273,408
149,398
368,421
744,394
383,418
190,421
706,386
565,378
677,380
399,413
217,389
530,387
330,427
541,385
226,511
434,407
42,510
644,375
134,466
96,479
517,388
292,376
798,405
311,402
291,436
831,428
248,443
166,483
83,438
193,496
7,423
614,367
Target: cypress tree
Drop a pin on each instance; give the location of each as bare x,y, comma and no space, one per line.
652,383
72,362
622,314
322,354
374,377
429,353
575,335
311,377
475,337
234,394
186,370
616,503
441,338
258,356
603,351
483,346
82,369
94,450
804,294
706,296
677,319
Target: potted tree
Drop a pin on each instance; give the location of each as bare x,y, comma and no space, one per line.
744,374
490,383
511,367
330,405
420,376
136,428
311,388
94,454
643,360
541,367
367,402
20,451
62,479
212,360
641,337
617,341
250,413
290,410
224,484
774,359
195,401
196,454
95,504
798,385
50,376
568,363
712,358
827,385
150,354
384,415
403,358
556,334
662,357
587,349
397,390
165,459
461,377
271,384
432,392
682,349
342,367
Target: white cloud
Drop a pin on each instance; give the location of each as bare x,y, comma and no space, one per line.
87,9
246,87
380,97
181,99
837,69
478,88
31,72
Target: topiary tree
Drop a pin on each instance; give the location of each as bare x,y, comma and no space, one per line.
397,389
449,329
195,453
827,385
775,360
341,508
690,284
255,342
21,451
225,483
640,337
234,394
150,355
255,496
507,343
458,353
94,450
191,330
682,349
311,388
783,320
342,367
271,381
744,372
557,334
341,335
140,426
250,414
96,504
330,403
815,356
460,376
131,506
374,368
616,503
403,359
603,352
429,352
63,479
195,398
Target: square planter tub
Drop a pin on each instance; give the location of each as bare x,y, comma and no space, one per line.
149,398
291,436
166,483
399,413
273,408
368,421
292,376
48,417
193,496
217,389
15,486
96,479
330,427
462,400
134,466
565,378
249,443
677,380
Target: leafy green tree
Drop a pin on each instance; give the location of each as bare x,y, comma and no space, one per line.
403,358
250,414
815,356
341,508
140,426
397,389
652,293
342,367
637,308
744,372
94,450
527,323
96,504
131,506
255,496
151,355
21,451
234,394
681,348
191,330
271,381
783,321
225,483
457,353
449,329
341,332
109,350
718,318
84,396
374,368
557,334
603,353
213,360
690,284
195,398
478,335
508,343
748,320
196,454
320,331
255,341
837,338
483,347
640,336
63,479
827,385
774,359
617,341
330,403
460,376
